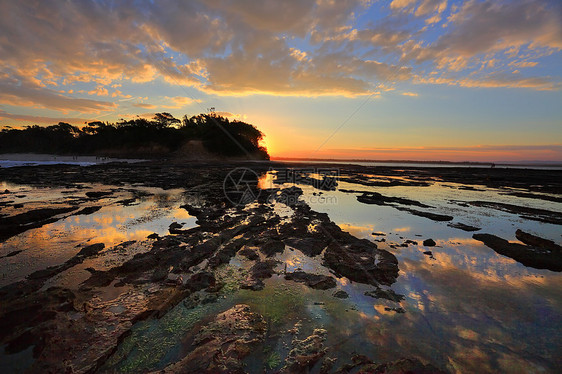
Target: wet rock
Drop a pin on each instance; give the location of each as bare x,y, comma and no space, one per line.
289,196
363,364
40,276
251,283
340,294
272,247
406,365
165,299
378,233
227,251
126,202
316,281
159,274
541,215
260,270
305,353
23,320
361,261
175,228
13,225
263,269
87,210
389,294
221,345
13,253
429,243
201,281
432,216
395,309
537,241
249,252
153,236
192,301
379,199
408,241
91,250
528,195
209,298
462,226
98,194
327,365
310,246
538,258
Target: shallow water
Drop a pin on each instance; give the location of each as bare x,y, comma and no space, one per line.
152,211
467,308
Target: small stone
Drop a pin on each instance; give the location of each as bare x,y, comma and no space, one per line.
429,243
340,294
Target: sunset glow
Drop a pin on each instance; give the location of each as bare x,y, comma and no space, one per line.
448,80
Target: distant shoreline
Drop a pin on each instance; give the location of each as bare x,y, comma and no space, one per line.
440,162
37,159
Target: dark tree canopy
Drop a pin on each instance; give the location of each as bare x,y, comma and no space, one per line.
139,137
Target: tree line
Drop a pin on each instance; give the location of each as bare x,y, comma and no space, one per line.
161,136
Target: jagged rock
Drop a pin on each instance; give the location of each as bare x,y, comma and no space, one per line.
249,252
361,261
539,258
271,247
379,293
536,241
320,282
221,345
305,353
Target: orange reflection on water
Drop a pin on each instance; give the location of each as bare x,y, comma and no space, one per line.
357,231
402,229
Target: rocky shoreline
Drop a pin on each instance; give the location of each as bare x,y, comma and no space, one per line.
78,330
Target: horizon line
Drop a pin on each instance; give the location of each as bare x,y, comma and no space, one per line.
518,163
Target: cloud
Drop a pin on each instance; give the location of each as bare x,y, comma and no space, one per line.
524,64
144,106
402,4
23,92
232,116
180,102
413,94
99,91
499,80
228,47
41,119
482,27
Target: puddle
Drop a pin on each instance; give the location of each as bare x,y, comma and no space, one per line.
120,219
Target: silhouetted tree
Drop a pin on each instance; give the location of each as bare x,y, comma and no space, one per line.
138,137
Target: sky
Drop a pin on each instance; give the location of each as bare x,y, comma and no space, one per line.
477,80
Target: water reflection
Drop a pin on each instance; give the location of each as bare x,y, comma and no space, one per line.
151,212
468,308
